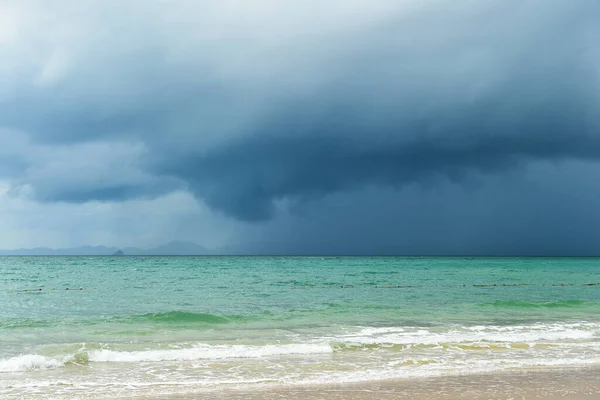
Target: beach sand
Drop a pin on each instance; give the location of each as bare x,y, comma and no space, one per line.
573,384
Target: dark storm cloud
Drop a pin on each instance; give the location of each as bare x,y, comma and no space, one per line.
406,127
247,121
550,210
246,178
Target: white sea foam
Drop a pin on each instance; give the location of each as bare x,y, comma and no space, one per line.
206,352
236,379
492,334
28,362
32,362
190,366
441,369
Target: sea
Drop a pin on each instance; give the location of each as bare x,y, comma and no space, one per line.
127,327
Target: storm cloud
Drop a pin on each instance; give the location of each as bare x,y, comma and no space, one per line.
267,113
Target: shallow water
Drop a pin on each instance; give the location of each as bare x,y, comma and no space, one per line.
170,325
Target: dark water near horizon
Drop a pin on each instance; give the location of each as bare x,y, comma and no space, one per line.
175,325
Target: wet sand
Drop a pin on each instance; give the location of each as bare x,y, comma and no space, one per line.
573,384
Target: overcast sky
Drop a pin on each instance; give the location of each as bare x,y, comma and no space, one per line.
336,126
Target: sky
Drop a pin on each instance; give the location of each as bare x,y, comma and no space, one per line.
302,127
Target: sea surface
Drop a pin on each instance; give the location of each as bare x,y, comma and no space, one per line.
120,327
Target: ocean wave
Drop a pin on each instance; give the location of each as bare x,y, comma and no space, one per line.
182,316
16,323
465,346
34,362
170,317
373,340
536,304
133,382
476,334
207,352
29,362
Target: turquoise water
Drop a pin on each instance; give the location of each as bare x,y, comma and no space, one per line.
132,326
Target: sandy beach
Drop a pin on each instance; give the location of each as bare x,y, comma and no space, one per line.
552,384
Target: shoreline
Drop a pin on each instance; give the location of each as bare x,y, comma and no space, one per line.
550,384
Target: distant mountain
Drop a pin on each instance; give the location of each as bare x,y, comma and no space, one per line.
174,248
75,251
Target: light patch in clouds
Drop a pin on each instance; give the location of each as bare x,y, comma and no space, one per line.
101,170
54,69
9,28
145,223
85,168
22,225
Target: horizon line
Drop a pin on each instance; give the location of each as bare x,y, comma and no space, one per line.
304,255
